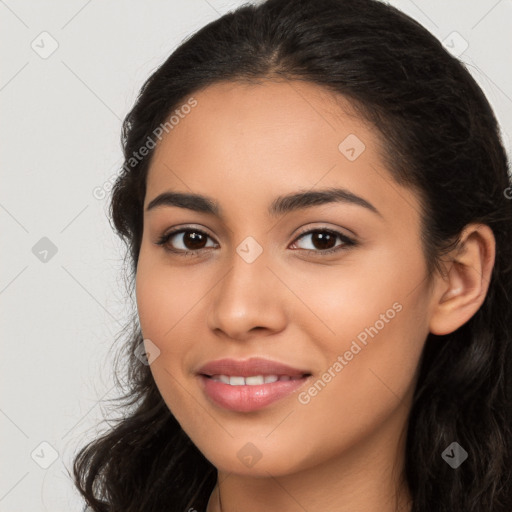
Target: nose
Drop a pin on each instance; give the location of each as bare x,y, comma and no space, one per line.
249,300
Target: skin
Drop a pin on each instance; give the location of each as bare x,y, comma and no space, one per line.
243,145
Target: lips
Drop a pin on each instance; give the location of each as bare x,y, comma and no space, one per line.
250,367
251,384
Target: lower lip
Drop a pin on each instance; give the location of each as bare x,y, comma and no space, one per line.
248,398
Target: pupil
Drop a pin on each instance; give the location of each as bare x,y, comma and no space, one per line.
193,240
322,240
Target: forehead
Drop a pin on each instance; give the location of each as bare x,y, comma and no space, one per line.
269,118
268,139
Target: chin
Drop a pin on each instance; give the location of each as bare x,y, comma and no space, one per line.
248,460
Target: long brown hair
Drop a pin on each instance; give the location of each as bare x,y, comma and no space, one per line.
442,140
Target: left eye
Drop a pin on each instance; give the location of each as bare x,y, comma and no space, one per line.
323,240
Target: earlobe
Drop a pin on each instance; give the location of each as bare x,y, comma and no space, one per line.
458,295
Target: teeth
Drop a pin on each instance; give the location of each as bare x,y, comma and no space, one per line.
236,381
256,380
253,380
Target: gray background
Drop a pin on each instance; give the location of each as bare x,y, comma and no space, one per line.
60,131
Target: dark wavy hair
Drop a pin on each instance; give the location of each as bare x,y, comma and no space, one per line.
441,139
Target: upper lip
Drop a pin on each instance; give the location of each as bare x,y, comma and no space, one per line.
249,367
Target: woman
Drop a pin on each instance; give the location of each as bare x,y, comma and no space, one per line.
314,200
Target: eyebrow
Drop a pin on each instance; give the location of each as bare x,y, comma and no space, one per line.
280,205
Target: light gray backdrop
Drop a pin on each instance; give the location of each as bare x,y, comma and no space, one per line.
70,72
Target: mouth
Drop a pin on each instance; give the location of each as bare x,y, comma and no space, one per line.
249,385
254,380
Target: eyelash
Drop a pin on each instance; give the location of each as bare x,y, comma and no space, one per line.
347,241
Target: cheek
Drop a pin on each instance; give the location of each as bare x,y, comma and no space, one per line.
376,320
167,302
345,299
164,297
159,311
342,303
369,386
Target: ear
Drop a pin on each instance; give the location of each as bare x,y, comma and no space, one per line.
458,295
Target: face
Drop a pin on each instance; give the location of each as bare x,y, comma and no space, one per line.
332,285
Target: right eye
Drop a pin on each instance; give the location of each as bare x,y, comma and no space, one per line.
188,240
